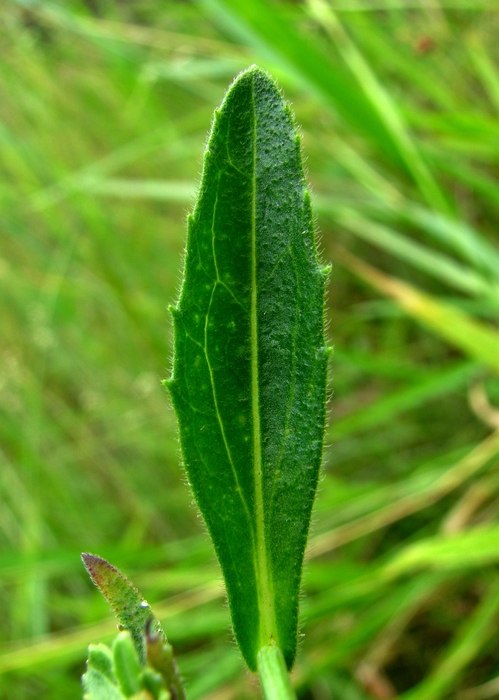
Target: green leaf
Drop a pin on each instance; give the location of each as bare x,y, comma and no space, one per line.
98,686
132,611
141,655
126,664
101,660
249,370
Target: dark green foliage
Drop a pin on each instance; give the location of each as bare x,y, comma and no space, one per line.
250,361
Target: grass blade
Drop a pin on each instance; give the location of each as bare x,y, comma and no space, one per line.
452,324
382,105
468,642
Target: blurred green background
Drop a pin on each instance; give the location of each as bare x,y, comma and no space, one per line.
104,111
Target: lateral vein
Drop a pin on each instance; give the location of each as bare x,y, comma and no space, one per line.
217,410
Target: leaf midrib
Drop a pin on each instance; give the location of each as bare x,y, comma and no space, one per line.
268,628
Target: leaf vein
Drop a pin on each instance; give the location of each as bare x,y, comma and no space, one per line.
268,626
213,247
219,417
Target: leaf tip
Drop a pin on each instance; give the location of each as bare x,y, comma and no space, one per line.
254,68
255,71
97,567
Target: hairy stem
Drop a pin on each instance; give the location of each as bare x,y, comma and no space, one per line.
273,674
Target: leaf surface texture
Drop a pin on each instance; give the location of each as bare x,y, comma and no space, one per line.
249,372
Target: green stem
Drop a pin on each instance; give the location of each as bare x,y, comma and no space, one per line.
273,673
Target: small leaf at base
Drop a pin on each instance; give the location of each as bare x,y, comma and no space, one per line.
132,611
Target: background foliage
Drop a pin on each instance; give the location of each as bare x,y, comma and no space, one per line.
104,109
